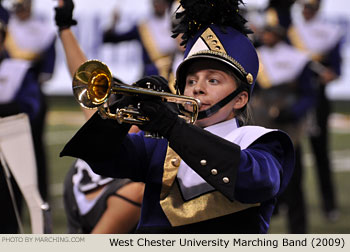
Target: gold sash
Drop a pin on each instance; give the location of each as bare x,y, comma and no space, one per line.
263,77
297,41
16,52
162,62
204,207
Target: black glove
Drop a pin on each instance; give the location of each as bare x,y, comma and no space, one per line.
64,15
123,101
155,82
162,116
149,102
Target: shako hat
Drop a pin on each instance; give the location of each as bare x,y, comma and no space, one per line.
214,29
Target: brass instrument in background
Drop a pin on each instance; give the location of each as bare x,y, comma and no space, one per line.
93,84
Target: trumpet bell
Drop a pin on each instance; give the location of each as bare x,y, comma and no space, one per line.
92,84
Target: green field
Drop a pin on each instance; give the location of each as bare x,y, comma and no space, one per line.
64,119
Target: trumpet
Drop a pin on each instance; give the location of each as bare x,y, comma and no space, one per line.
93,85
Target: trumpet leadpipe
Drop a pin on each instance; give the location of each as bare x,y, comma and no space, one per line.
93,84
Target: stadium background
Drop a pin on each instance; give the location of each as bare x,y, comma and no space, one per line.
64,117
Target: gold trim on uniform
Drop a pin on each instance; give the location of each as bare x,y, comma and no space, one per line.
272,17
298,43
295,39
204,207
16,52
170,171
172,82
162,62
317,57
263,78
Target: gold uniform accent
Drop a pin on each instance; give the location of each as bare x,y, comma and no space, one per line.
263,76
249,78
204,207
213,41
162,62
297,41
272,17
16,52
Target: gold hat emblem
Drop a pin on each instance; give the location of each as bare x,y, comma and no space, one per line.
212,41
249,78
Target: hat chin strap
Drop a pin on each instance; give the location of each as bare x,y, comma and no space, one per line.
215,108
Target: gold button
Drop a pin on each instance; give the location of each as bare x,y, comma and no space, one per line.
250,78
226,180
214,171
214,42
203,162
175,162
209,36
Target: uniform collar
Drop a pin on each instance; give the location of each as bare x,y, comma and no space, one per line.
224,128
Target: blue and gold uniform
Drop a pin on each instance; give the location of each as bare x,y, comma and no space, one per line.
154,35
243,180
284,99
198,179
322,41
19,93
32,39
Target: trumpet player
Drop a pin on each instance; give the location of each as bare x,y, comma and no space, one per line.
218,175
93,203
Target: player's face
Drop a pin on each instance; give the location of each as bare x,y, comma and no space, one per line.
208,82
269,38
160,7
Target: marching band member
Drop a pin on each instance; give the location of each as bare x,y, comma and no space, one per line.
154,35
283,100
98,204
322,42
93,203
217,176
278,12
31,38
19,93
